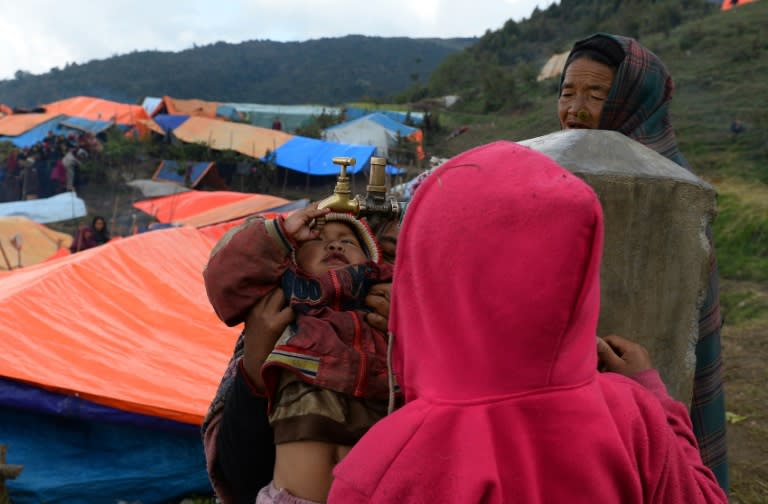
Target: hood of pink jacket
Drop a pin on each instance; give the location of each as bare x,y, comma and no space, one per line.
496,289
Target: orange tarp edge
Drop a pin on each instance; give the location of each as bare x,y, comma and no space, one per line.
126,325
222,135
727,4
193,107
17,124
255,204
97,109
178,206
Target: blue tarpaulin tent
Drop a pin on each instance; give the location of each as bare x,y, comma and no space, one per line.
308,155
416,118
76,451
38,133
86,125
315,157
170,122
173,171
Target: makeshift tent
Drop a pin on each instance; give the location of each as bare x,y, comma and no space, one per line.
96,109
291,116
131,355
86,125
57,208
223,135
169,122
315,157
727,4
414,117
200,173
553,67
152,105
258,204
377,130
198,108
155,188
26,130
38,242
181,208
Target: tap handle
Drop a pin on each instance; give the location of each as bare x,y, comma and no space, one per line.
343,162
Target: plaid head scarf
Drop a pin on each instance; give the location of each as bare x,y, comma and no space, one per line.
638,102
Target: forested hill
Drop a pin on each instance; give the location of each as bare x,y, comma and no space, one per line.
496,73
327,71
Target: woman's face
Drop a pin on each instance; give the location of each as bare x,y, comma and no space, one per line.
585,87
388,242
98,224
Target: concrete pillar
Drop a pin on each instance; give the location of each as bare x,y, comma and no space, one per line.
655,261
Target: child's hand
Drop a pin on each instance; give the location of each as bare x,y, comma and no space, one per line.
620,355
297,224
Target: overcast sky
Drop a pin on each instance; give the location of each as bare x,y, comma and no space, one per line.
37,35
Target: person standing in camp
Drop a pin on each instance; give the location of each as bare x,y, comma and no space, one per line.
238,439
326,378
100,231
612,82
495,350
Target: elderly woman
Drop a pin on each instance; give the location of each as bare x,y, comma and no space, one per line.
614,83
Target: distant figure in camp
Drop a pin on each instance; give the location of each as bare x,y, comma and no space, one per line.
100,231
277,124
72,162
83,239
737,127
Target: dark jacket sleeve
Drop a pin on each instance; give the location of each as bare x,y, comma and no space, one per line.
245,442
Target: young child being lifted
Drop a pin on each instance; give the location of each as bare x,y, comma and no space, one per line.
326,378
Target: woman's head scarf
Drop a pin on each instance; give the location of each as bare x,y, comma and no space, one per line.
638,102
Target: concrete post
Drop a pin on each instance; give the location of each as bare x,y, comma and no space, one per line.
655,261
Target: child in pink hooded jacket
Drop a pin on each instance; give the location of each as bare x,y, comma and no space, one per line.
494,314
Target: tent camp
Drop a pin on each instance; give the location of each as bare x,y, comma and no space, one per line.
223,135
97,109
417,118
133,355
291,116
37,241
26,130
192,107
377,130
202,208
154,188
315,157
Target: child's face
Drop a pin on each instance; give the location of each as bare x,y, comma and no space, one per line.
337,247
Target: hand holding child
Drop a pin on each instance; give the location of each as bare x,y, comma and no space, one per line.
297,225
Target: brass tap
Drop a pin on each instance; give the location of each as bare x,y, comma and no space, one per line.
374,202
340,201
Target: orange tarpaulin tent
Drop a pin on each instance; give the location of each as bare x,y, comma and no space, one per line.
222,135
18,124
38,242
97,109
193,107
174,207
126,325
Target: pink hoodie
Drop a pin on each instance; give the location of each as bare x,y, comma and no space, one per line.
494,312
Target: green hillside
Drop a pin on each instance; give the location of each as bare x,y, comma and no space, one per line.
327,71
